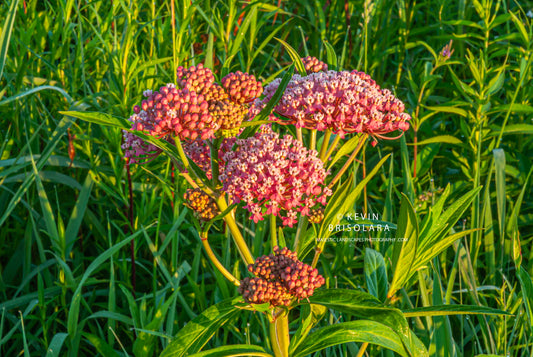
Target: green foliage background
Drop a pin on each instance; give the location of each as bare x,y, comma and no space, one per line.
65,270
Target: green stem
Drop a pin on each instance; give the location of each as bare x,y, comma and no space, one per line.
279,336
362,140
273,229
235,232
331,148
215,261
325,142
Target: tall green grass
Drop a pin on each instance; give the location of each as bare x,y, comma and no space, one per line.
65,271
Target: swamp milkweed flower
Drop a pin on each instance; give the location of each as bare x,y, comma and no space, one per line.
343,102
169,112
278,174
280,277
197,108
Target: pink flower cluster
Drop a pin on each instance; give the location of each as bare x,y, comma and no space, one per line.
274,175
198,108
136,149
344,102
200,153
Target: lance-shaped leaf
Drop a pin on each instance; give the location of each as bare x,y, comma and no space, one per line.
404,251
353,331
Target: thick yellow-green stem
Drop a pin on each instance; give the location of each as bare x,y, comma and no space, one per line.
362,349
279,335
299,135
215,261
318,250
325,143
331,149
312,144
235,232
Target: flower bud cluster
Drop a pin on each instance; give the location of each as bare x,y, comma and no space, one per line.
260,291
280,277
316,215
203,206
242,87
169,112
343,102
229,115
198,108
274,175
227,103
314,65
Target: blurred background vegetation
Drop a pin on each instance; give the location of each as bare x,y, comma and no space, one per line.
64,196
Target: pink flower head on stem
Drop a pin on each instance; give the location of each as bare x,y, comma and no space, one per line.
135,148
200,153
344,102
274,175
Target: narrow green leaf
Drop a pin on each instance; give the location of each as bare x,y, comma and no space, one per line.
347,148
60,130
331,56
521,28
526,286
144,344
35,90
515,108
362,305
99,118
441,139
518,129
406,170
313,314
236,45
5,37
73,312
445,310
76,217
101,346
296,59
55,345
267,110
499,163
234,351
48,214
405,247
448,109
